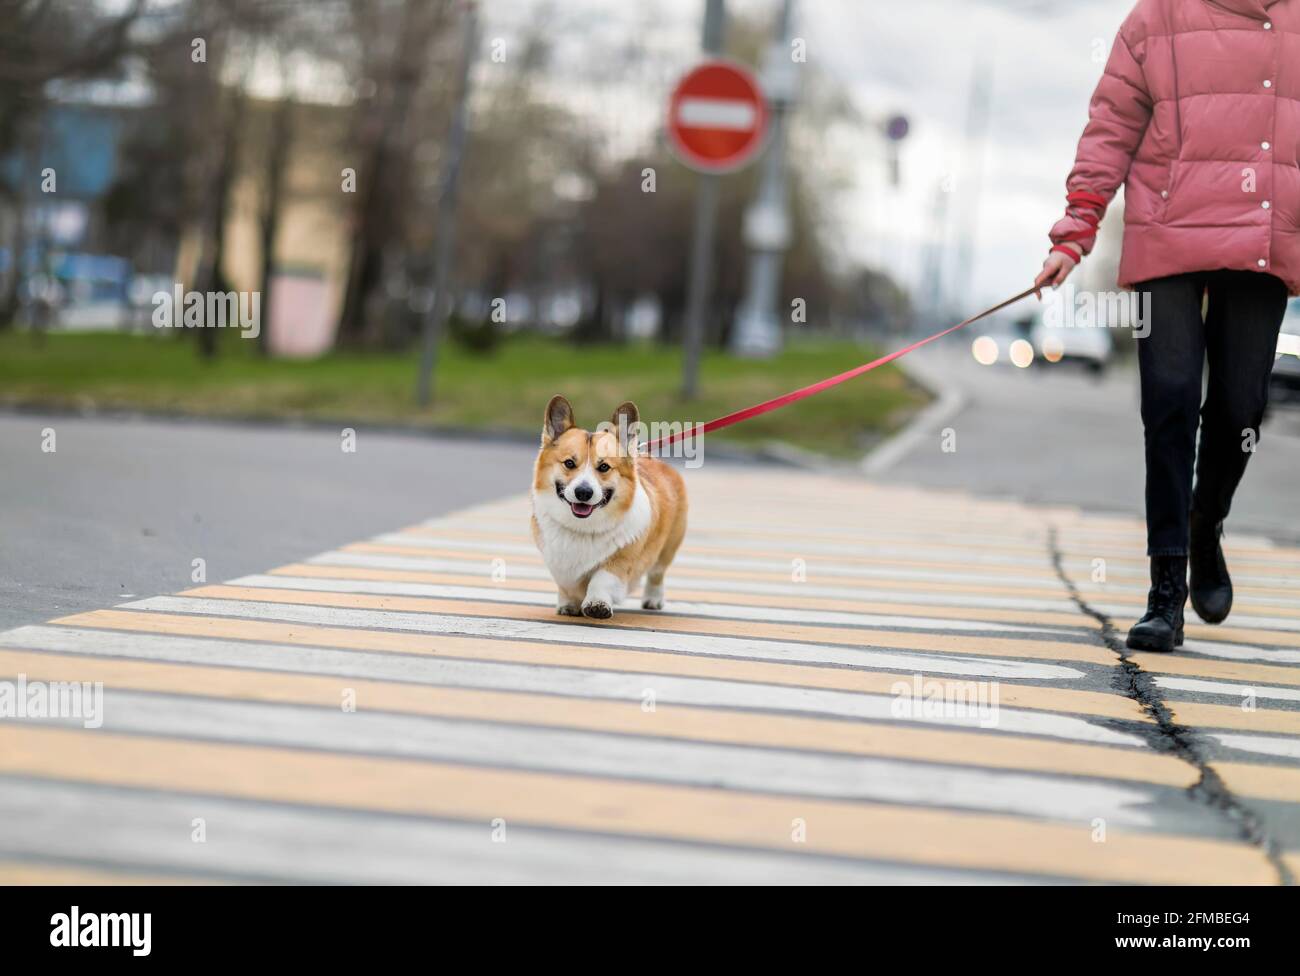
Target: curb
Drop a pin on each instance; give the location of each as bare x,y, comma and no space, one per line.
773,453
947,404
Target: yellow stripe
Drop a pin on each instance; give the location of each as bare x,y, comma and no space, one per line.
853,637
711,572
1100,704
1261,782
671,721
1138,599
1262,720
856,830
1272,561
1199,667
1244,635
1138,602
1118,568
29,873
1158,663
451,531
1250,561
1266,561
888,562
1042,618
1292,861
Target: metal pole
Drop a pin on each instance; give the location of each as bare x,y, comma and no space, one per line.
757,332
700,282
446,229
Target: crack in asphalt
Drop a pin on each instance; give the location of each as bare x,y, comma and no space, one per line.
1173,738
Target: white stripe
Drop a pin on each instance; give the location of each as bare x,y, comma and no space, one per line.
1241,652
1264,745
539,679
936,523
280,842
870,550
778,567
1118,611
1096,595
716,113
757,587
511,523
1142,578
1290,624
622,756
724,611
789,652
1225,688
875,550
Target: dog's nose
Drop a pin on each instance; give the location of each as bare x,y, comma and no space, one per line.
583,492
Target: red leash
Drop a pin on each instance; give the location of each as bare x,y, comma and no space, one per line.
826,384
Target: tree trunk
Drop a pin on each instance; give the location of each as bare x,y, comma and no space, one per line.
11,298
276,164
385,190
211,276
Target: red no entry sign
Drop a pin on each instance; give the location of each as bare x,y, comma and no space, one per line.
716,117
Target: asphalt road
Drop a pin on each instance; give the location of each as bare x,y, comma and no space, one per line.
1060,435
475,693
892,685
124,507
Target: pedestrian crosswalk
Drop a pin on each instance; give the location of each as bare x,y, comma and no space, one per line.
850,684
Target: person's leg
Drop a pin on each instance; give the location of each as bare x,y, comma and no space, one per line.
1171,360
1245,315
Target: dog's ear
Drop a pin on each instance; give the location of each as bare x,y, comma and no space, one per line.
625,416
558,418
625,409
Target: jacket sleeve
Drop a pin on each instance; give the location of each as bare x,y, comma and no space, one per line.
1117,119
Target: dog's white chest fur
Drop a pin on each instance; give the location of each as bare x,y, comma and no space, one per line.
572,554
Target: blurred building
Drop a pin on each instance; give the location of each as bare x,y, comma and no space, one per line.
55,228
311,242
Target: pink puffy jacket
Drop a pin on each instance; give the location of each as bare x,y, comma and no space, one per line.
1198,115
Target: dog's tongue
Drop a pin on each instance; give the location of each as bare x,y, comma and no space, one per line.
581,510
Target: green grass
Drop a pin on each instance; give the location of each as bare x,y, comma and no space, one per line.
506,390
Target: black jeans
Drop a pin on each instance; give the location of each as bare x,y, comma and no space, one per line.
1238,335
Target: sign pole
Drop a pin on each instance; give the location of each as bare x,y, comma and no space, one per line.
700,281
445,240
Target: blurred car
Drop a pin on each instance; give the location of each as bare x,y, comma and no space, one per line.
1089,346
1003,341
1286,367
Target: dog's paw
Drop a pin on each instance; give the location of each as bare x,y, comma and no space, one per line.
569,610
652,603
598,609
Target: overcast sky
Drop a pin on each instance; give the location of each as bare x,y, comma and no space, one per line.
917,57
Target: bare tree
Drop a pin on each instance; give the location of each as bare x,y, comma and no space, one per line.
394,55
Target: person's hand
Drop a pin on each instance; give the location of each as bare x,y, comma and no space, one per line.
1056,269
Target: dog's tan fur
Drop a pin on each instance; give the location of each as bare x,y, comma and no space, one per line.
596,561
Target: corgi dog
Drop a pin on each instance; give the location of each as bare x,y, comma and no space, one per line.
603,517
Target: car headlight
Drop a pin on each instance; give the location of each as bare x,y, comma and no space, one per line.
1022,353
1053,348
985,350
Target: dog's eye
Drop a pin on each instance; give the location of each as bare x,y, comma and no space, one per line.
602,467
568,463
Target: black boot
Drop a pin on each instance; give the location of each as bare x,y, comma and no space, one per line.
1211,585
1162,627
